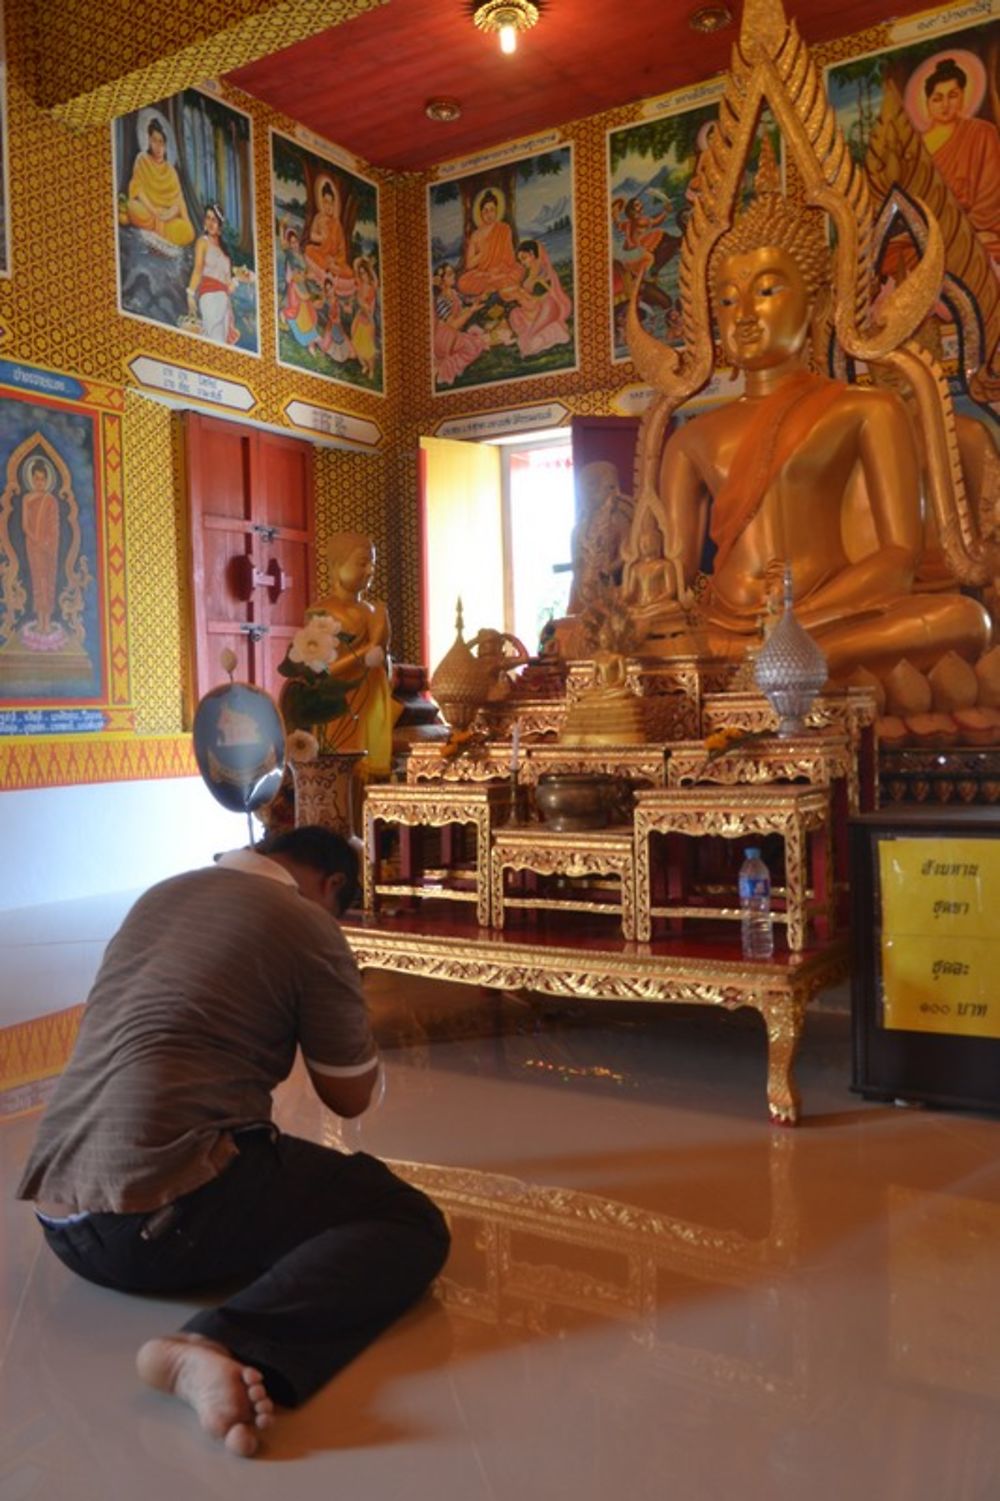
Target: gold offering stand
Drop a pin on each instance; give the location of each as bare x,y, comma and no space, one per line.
571,913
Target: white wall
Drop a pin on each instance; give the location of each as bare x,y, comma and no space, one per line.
61,843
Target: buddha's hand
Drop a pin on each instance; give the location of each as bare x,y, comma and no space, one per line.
374,656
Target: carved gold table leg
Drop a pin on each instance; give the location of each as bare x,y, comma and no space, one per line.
643,897
627,874
784,1016
483,868
795,883
369,863
496,884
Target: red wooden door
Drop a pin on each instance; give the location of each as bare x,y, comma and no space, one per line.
251,544
283,507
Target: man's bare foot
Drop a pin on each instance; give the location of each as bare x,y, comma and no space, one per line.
230,1399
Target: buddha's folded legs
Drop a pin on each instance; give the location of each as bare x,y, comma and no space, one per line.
920,627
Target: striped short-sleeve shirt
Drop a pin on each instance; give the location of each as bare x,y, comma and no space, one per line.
212,981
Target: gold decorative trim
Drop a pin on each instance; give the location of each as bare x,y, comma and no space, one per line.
847,713
78,760
33,1051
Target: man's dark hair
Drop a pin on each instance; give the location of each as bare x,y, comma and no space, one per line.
319,849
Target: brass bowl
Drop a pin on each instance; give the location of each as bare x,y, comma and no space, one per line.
569,800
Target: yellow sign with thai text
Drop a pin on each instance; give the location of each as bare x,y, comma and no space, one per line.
940,954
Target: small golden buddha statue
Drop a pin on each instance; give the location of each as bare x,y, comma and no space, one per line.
654,590
608,712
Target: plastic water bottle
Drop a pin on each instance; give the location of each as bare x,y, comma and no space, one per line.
757,927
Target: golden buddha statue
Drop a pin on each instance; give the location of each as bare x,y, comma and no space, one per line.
767,477
770,477
655,591
363,627
608,711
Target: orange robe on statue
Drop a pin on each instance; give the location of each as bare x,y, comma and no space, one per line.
767,445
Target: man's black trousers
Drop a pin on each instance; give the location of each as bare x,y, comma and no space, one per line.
330,1249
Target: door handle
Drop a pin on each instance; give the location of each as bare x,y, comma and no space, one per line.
245,578
274,579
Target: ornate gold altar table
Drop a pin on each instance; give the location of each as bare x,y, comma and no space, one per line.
823,759
678,972
796,813
820,759
551,852
852,712
437,805
485,763
492,762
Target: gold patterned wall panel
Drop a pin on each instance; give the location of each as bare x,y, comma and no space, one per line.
105,64
156,601
59,311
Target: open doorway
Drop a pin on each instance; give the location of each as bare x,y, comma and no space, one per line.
497,519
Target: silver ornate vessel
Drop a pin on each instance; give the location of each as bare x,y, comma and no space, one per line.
790,668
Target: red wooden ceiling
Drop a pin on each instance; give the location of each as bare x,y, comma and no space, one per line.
364,84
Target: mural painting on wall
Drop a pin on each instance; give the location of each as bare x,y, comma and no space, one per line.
652,187
923,119
187,256
63,648
503,272
327,256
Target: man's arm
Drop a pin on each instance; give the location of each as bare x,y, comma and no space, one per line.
346,1095
334,1031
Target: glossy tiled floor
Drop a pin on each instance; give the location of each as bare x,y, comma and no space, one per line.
652,1293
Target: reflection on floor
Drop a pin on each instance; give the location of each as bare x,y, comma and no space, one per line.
652,1292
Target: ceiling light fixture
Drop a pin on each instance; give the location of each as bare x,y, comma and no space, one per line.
442,110
709,18
507,18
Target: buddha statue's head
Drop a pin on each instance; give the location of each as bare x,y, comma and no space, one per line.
770,276
650,540
352,560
